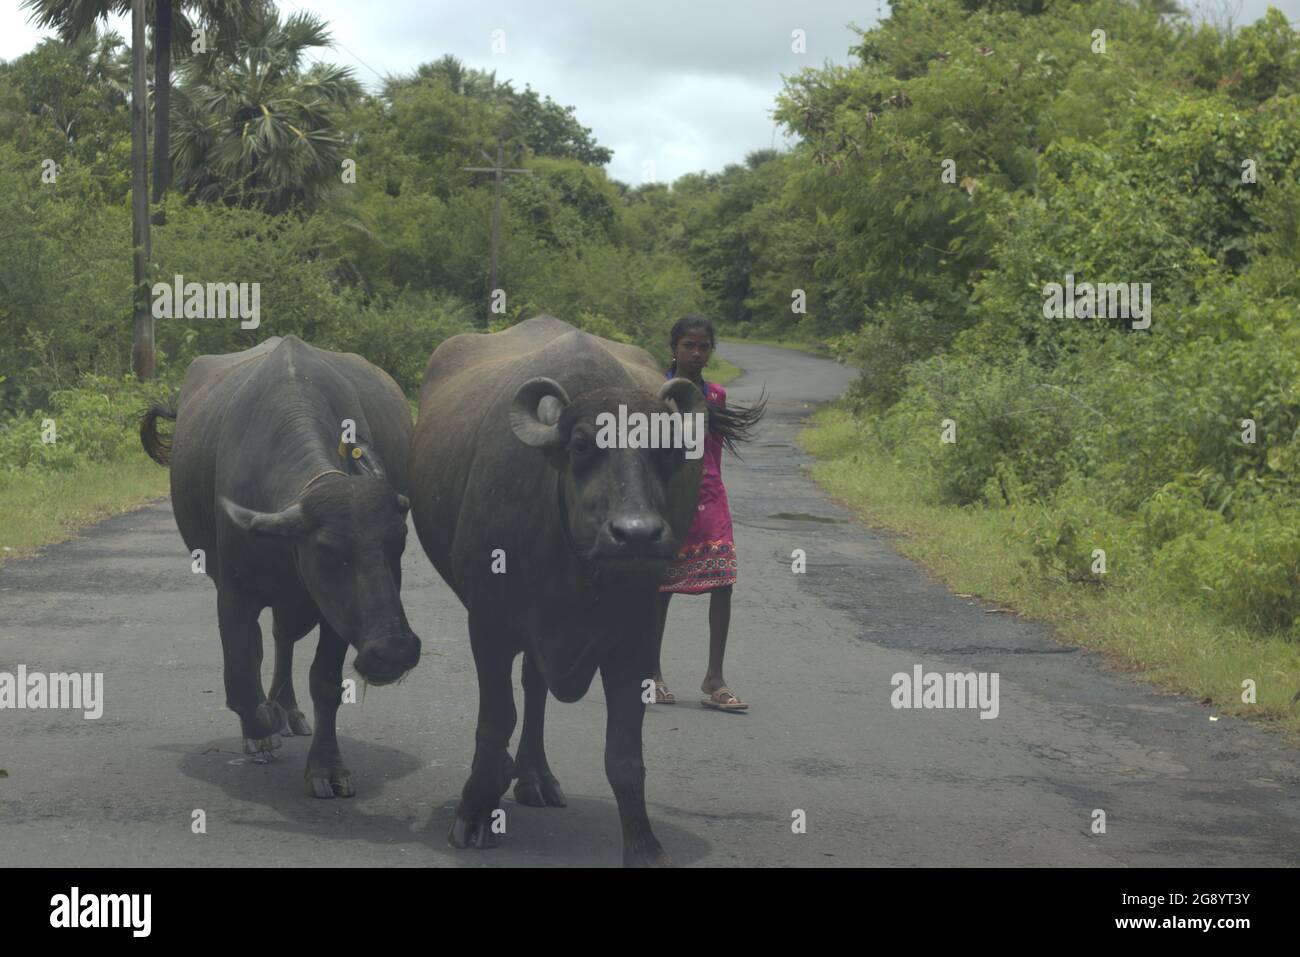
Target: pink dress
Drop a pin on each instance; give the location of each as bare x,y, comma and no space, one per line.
707,559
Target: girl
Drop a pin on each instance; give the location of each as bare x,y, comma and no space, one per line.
707,560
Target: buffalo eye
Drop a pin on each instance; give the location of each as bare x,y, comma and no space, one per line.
331,552
580,443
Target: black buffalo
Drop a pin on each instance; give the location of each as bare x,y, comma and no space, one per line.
291,516
505,458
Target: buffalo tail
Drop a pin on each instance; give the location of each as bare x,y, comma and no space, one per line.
158,448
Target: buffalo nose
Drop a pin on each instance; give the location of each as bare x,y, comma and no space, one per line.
633,532
385,660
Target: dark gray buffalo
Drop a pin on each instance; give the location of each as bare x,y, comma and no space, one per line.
555,545
292,517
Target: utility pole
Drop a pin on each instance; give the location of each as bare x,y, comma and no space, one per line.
499,171
142,355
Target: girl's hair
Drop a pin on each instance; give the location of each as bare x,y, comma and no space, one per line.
685,324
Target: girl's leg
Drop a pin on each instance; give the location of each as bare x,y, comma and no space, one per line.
664,597
719,622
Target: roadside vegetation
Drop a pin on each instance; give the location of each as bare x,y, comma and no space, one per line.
1146,626
1135,486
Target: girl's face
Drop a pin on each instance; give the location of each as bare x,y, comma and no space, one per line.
692,353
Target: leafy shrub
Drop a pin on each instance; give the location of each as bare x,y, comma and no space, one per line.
893,336
1066,536
1010,424
1248,569
98,422
398,336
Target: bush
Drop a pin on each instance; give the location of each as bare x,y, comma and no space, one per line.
1012,429
398,336
895,335
1067,537
97,422
1248,569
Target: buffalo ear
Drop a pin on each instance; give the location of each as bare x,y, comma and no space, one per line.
535,413
286,523
682,395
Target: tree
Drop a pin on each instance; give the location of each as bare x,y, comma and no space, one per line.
142,357
74,19
548,128
71,97
460,79
252,127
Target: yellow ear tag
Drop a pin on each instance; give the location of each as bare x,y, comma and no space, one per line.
356,453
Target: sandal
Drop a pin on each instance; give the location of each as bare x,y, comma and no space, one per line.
663,695
724,700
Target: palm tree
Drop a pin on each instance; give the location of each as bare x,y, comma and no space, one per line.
227,18
142,352
252,127
73,19
162,95
463,80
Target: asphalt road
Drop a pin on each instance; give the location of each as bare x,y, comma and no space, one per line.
813,653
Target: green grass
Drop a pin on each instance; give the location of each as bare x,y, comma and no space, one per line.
40,508
719,371
1163,638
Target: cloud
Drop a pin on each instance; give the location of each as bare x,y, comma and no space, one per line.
687,85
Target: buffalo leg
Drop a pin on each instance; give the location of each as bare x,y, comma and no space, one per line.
241,648
326,775
289,623
622,675
537,786
493,768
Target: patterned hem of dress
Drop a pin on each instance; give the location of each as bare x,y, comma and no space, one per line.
702,568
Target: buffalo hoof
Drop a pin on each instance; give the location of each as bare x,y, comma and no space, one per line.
261,745
539,789
265,723
330,782
470,832
296,724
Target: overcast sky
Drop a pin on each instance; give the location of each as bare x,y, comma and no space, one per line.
686,85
